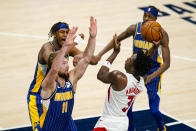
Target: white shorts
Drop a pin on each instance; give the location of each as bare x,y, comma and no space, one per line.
112,123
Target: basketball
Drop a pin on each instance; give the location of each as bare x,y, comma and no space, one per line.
151,30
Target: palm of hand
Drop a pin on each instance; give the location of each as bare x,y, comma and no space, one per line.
71,36
93,27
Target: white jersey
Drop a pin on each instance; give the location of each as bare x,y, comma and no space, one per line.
117,103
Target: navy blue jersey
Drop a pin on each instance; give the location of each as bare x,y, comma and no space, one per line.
58,108
40,73
140,43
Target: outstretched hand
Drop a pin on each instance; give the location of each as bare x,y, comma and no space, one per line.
70,37
116,44
93,27
157,43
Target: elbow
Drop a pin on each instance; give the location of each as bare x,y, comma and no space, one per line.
168,65
87,60
93,61
99,75
54,69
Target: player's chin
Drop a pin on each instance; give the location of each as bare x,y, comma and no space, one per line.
63,40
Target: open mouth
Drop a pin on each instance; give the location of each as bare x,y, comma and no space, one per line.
64,39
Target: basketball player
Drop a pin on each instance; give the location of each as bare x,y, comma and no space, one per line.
59,32
153,80
57,87
124,87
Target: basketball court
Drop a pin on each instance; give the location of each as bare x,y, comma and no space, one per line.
24,28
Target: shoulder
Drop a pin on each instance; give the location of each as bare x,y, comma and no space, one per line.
165,38
47,46
45,50
118,76
131,29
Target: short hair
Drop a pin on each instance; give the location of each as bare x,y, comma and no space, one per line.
142,63
51,58
153,7
54,28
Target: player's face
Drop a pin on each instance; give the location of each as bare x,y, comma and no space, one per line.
64,67
148,17
129,61
61,35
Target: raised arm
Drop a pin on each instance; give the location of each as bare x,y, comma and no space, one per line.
116,78
166,57
81,67
127,33
49,84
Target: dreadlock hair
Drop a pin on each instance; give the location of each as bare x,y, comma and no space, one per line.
54,28
142,63
153,7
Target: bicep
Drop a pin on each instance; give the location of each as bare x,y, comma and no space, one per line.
45,53
130,31
48,85
106,76
165,48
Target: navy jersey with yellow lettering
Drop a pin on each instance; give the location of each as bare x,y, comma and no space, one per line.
59,109
139,43
40,73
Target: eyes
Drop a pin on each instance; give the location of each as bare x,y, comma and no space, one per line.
149,15
63,31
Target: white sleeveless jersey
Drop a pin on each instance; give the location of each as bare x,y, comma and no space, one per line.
117,103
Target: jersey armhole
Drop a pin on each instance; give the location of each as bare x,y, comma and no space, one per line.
136,27
51,95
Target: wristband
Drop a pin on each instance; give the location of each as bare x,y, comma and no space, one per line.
107,64
78,39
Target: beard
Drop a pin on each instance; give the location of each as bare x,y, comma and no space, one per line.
65,76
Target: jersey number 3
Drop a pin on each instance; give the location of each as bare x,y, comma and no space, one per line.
129,103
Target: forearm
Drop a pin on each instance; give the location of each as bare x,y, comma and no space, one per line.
88,53
105,69
58,59
54,54
112,57
158,72
152,51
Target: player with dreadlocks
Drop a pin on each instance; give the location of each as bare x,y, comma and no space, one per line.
48,51
124,87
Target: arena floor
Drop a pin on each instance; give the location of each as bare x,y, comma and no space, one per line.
26,23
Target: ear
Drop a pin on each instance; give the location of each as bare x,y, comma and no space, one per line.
55,35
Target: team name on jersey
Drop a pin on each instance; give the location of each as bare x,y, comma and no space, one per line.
132,90
63,96
142,44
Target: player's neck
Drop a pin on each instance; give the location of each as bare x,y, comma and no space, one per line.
134,74
137,77
61,81
56,44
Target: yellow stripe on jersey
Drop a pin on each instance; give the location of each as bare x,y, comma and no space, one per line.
159,59
39,78
43,116
135,31
159,88
33,111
